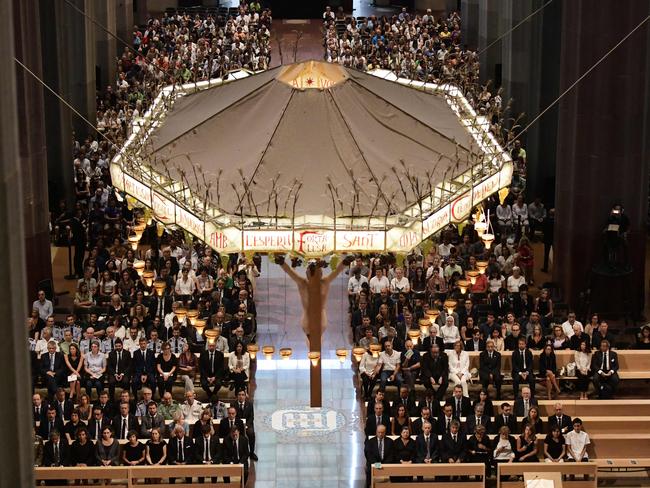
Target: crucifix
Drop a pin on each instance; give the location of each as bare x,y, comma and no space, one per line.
313,289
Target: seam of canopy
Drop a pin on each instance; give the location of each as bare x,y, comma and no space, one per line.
234,102
408,114
374,177
266,148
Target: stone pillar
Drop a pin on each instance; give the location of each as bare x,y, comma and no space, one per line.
124,23
69,68
487,31
469,25
106,44
603,133
16,450
33,156
526,61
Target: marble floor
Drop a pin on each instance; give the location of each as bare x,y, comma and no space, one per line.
298,446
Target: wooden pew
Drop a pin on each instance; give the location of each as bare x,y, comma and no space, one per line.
590,470
128,476
380,476
234,471
629,446
118,475
591,408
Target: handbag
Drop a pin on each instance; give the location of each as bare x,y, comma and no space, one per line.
571,369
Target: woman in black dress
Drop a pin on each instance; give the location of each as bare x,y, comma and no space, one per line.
554,446
527,446
548,368
166,365
133,453
156,452
82,450
400,421
74,361
536,341
403,453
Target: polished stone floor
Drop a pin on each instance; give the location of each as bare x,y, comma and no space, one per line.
298,446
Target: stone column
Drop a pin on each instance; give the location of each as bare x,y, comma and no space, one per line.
603,152
69,68
106,44
33,156
469,13
124,23
487,31
16,450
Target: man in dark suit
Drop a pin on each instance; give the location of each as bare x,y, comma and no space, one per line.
53,369
476,419
426,445
445,420
118,366
379,417
39,409
489,367
500,303
560,420
380,397
604,365
143,368
51,423
432,403
524,402
505,418
180,450
418,423
236,450
511,341
151,420
461,405
160,306
240,320
105,405
212,369
453,446
63,405
359,314
522,367
523,303
600,335
377,449
167,256
231,421
125,422
97,423
406,399
207,449
245,412
244,302
432,338
475,343
435,371
56,451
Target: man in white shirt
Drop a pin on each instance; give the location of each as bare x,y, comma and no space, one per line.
43,305
576,443
452,268
515,280
389,365
449,332
444,248
567,326
354,285
378,282
191,408
400,284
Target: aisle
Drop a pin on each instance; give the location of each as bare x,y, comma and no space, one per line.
298,447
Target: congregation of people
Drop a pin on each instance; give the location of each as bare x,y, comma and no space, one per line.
123,333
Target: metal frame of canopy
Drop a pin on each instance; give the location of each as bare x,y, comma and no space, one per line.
173,201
